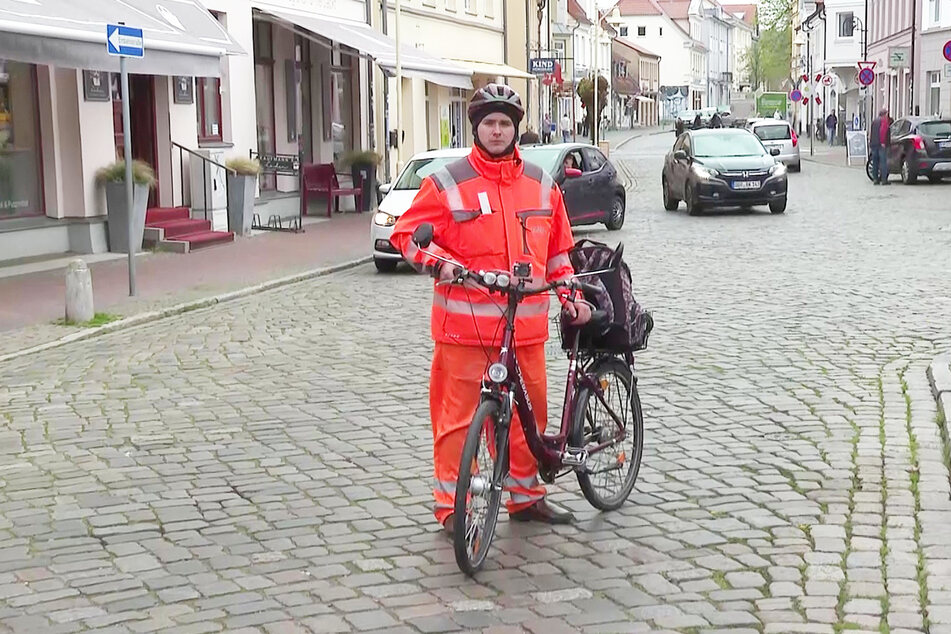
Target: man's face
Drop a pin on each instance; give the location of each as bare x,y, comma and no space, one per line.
496,132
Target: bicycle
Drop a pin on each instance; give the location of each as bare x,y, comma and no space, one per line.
603,380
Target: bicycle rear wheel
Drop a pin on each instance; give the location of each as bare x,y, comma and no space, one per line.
482,470
609,474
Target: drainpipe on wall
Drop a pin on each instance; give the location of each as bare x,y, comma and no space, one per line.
386,106
371,106
911,76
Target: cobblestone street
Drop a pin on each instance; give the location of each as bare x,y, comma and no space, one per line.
265,465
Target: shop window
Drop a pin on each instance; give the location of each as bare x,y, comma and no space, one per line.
846,24
209,109
341,109
641,31
623,31
19,142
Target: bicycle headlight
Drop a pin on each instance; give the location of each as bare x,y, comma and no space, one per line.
489,278
384,219
498,373
503,280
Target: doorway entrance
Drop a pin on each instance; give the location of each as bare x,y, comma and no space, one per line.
142,121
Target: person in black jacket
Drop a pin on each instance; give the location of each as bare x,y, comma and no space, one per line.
716,121
697,122
529,137
879,138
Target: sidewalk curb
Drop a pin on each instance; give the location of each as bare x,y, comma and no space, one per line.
178,309
939,377
636,135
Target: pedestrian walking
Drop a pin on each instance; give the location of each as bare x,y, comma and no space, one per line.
832,124
465,325
716,121
879,138
548,127
565,128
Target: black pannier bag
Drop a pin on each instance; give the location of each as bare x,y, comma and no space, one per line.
628,325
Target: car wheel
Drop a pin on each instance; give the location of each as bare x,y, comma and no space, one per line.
778,206
908,175
693,205
385,266
795,168
670,203
616,219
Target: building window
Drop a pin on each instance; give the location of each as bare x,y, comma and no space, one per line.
641,31
209,109
457,117
623,31
936,11
846,28
472,6
19,142
660,31
934,99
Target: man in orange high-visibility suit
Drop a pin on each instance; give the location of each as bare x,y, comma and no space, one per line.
489,211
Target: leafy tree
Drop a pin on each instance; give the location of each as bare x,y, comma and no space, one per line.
586,92
767,61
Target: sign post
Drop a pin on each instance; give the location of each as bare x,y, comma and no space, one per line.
125,41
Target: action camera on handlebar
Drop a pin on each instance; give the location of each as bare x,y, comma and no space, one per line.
522,270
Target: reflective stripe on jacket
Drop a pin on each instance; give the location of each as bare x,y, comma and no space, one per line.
488,215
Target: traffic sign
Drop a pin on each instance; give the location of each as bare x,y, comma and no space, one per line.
796,95
828,80
866,76
947,50
541,65
125,41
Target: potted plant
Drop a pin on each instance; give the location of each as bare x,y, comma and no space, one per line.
112,177
241,181
362,164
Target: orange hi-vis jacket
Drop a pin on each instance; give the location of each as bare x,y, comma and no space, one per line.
488,215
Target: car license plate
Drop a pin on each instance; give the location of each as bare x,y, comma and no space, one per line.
944,144
745,184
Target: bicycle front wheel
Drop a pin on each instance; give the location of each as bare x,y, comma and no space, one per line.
482,470
610,473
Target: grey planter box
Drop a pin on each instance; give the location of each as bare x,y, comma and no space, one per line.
241,203
120,217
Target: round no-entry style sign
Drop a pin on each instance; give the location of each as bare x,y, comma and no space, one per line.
947,50
796,95
866,76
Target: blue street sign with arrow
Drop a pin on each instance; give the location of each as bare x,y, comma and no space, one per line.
124,40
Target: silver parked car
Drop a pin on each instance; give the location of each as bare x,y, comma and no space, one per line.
778,134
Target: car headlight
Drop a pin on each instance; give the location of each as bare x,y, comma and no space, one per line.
777,169
705,172
384,219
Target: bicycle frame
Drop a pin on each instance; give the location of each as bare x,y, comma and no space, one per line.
549,450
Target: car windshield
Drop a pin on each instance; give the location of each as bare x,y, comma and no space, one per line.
779,132
543,157
936,128
719,145
412,177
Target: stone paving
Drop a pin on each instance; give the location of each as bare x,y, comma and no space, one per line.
264,466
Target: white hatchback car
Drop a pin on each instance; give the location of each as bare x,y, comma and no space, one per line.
777,133
399,196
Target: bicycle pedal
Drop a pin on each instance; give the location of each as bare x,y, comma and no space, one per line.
574,457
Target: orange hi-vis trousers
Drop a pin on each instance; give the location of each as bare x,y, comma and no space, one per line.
454,392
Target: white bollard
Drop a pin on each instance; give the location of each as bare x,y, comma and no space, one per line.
79,302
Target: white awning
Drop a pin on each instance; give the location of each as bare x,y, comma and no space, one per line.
494,70
181,37
379,47
643,98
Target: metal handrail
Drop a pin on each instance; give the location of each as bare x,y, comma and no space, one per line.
205,158
181,176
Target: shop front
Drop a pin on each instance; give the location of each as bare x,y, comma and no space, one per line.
60,111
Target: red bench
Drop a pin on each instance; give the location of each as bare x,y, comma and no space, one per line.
321,178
